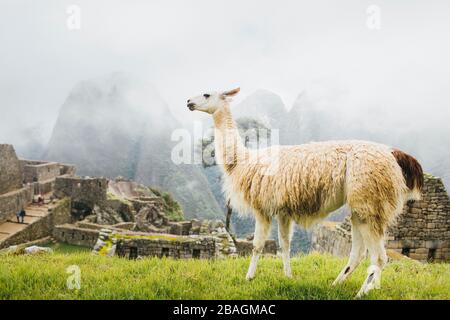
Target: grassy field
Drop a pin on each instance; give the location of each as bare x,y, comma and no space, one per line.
44,277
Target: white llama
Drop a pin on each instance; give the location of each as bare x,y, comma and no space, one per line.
305,183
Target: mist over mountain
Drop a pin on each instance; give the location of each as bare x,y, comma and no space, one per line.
119,126
263,106
30,142
330,115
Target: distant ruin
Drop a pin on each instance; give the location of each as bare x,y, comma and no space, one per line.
136,225
422,231
137,221
103,214
21,182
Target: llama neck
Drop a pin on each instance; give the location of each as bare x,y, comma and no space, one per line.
228,144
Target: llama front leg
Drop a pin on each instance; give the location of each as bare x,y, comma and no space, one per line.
285,231
262,228
357,252
378,259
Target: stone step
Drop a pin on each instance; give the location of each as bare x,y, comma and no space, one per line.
35,213
12,227
37,208
29,219
15,221
4,236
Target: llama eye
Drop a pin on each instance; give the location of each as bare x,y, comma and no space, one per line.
206,95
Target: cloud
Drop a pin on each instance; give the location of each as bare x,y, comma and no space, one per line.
186,47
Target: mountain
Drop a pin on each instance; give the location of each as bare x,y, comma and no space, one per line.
305,122
263,106
120,126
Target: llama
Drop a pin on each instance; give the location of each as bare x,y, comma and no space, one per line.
304,183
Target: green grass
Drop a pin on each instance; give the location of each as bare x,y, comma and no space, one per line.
44,277
60,247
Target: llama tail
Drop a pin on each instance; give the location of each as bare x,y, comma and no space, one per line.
413,173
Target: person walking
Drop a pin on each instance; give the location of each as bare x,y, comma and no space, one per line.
40,200
22,215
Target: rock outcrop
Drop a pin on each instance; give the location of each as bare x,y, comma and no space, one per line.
10,170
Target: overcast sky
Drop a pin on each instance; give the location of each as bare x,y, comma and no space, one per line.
187,47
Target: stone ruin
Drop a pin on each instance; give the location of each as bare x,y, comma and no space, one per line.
137,222
421,232
130,220
21,181
95,212
141,220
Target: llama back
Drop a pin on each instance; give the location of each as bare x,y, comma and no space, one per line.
308,180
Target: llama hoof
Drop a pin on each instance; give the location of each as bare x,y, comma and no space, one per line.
340,278
364,291
249,277
359,295
368,285
366,288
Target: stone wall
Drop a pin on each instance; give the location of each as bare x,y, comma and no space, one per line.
71,234
245,247
57,214
422,230
36,170
20,247
14,201
67,169
331,238
168,246
60,213
40,172
35,230
43,187
10,169
132,244
84,191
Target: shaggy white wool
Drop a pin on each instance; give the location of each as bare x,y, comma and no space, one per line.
309,181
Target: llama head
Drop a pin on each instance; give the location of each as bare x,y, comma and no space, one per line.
212,101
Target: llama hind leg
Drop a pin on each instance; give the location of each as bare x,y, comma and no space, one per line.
357,252
285,230
378,259
262,228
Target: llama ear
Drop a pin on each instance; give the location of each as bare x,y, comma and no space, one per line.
231,93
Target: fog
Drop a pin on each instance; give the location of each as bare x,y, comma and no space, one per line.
399,72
